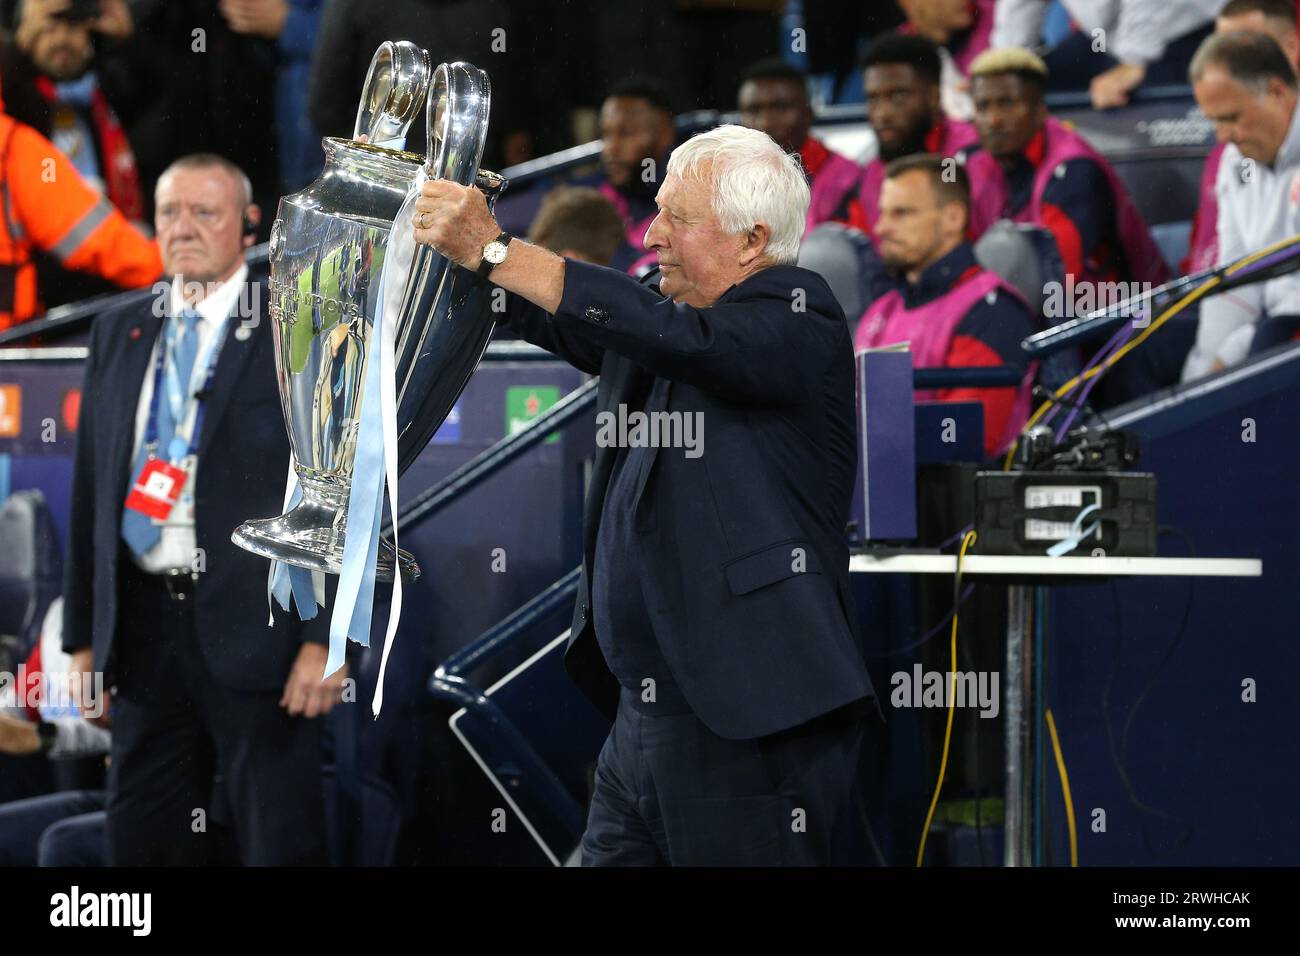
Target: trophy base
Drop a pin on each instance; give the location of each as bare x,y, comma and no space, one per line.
315,547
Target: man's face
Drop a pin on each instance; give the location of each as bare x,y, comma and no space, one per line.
697,260
901,107
1283,31
1008,113
631,131
1256,125
198,221
61,49
913,229
779,108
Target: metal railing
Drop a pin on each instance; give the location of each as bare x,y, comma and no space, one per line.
450,684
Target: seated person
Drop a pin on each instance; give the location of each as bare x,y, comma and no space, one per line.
901,82
953,312
637,134
962,29
1116,46
48,723
1246,86
65,828
1277,18
773,98
1032,168
578,222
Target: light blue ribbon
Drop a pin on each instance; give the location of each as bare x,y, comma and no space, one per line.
354,600
1076,536
286,579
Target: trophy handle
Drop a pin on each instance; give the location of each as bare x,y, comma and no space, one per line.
459,100
491,185
393,93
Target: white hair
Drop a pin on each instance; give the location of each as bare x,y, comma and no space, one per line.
752,180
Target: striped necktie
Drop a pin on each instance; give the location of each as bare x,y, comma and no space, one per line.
138,530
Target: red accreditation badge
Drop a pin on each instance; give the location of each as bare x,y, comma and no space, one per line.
157,489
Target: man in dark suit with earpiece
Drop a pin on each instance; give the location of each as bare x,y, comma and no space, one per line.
181,438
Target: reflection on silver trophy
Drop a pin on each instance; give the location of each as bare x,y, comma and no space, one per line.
327,249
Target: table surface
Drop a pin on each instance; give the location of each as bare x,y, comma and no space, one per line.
1042,564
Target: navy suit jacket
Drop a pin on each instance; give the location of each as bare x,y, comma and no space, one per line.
243,450
743,548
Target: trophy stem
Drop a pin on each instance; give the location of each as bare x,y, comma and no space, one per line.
311,534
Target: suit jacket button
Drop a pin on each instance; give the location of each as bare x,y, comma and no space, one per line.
596,314
583,612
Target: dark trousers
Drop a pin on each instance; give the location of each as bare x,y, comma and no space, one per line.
671,792
51,830
75,842
175,729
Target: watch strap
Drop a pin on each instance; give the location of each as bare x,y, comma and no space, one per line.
484,267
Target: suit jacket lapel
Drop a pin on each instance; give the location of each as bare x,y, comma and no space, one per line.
657,402
126,373
620,381
235,353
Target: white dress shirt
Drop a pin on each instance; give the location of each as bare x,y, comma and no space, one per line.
1135,31
1258,205
175,549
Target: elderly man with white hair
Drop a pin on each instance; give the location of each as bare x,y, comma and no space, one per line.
714,623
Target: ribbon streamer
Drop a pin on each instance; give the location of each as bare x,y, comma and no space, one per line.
306,587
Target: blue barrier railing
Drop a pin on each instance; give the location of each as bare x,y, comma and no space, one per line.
493,459
450,685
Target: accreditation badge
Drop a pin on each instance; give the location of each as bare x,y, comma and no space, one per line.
157,489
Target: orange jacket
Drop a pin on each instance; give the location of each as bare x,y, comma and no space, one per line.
46,205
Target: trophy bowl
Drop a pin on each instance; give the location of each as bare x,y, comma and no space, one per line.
327,249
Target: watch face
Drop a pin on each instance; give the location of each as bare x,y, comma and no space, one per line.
495,252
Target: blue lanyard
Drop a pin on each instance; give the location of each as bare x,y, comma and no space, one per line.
151,425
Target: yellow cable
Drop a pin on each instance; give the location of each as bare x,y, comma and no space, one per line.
1167,314
966,542
1178,306
1065,789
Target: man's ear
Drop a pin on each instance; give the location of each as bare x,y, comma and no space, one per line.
252,219
756,241
954,217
